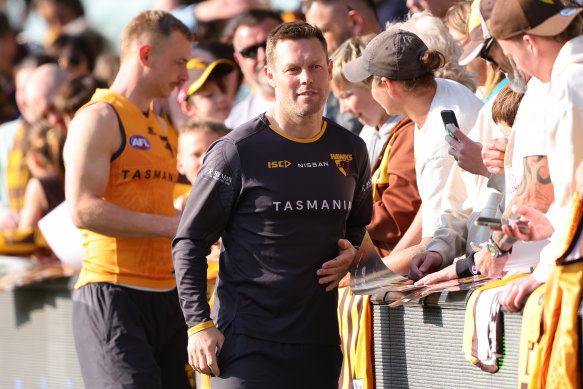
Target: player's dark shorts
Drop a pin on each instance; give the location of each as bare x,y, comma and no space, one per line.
252,363
128,338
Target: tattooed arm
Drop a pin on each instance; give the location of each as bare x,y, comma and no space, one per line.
535,190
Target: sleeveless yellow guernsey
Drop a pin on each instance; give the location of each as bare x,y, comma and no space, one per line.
142,177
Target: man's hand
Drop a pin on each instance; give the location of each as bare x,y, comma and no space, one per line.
423,264
488,265
539,227
444,274
493,154
516,291
334,270
202,350
466,152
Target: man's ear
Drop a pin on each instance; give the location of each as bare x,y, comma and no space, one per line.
145,52
187,108
330,67
531,43
180,166
270,76
355,22
389,86
237,57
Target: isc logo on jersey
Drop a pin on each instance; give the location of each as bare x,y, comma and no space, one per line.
139,142
276,164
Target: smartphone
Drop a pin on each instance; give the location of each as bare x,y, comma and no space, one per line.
448,116
496,223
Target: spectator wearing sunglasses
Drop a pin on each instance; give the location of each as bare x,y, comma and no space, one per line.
249,31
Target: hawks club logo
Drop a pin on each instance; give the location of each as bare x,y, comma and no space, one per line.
342,162
139,142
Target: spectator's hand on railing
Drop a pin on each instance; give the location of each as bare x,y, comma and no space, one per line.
466,152
488,265
493,154
516,292
424,264
445,274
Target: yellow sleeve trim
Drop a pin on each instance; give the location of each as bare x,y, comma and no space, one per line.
200,327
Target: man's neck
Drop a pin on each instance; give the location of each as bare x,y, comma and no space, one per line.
306,127
553,48
127,85
418,106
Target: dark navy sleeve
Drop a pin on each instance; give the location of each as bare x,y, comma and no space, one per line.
209,205
361,212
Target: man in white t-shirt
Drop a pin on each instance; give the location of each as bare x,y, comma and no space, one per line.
405,85
545,42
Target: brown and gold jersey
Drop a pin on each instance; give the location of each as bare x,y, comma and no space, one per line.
142,177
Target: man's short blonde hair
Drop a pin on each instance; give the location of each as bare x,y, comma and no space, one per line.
150,27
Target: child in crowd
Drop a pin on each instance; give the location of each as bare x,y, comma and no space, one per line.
45,190
206,95
195,137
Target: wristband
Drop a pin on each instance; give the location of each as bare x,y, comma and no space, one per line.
200,327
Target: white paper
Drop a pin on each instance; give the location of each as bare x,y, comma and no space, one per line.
62,236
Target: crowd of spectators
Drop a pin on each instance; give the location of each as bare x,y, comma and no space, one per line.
396,67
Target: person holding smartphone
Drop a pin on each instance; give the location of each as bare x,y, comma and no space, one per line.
404,84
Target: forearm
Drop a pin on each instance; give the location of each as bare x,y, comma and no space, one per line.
103,217
412,236
190,266
399,261
449,240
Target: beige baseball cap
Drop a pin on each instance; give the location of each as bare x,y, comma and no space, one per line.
480,13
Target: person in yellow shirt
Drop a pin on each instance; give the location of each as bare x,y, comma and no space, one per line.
119,183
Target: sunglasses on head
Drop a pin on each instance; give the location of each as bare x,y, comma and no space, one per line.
251,51
485,53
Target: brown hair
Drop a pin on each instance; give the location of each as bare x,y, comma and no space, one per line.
505,106
251,18
75,92
46,142
194,125
150,27
293,31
